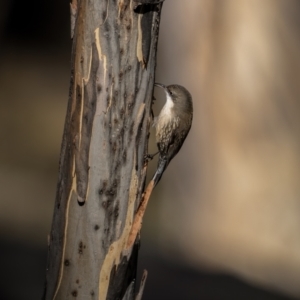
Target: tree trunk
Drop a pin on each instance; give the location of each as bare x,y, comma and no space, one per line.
102,171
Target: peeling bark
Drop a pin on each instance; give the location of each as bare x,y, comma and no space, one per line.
102,171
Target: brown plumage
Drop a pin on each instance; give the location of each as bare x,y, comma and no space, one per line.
172,125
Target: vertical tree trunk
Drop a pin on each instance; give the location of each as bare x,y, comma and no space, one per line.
102,172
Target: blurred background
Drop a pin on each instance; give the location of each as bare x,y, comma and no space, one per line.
224,222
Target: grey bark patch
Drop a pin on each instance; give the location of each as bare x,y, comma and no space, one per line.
123,275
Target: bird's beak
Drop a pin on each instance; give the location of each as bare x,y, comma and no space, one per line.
161,86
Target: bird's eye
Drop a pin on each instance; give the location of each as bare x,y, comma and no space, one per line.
171,93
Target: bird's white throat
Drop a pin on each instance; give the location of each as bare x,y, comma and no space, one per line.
168,105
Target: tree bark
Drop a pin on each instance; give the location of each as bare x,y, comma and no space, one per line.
102,171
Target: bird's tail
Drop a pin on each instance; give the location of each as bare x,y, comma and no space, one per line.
162,165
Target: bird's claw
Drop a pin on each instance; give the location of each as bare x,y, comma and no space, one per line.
148,157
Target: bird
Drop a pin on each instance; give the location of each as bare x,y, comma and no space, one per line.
172,125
